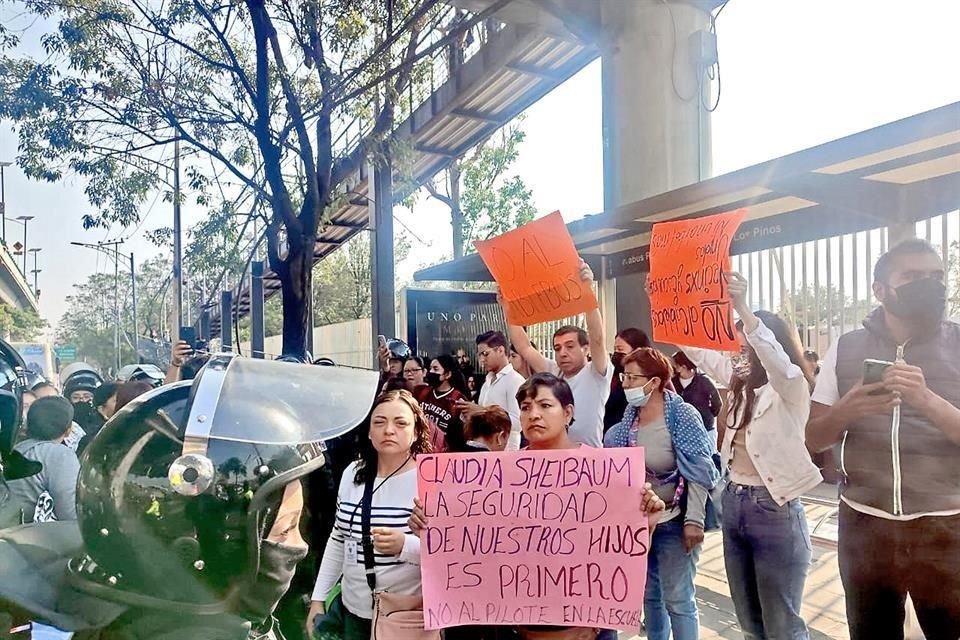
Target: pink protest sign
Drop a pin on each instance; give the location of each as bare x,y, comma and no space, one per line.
534,537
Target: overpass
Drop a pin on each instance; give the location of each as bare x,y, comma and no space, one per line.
15,291
521,51
508,68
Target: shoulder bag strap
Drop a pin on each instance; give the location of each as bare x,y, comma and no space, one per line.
366,536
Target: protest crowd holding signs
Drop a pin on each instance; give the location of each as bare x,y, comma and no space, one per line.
498,494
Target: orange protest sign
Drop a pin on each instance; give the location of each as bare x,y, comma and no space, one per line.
537,267
688,294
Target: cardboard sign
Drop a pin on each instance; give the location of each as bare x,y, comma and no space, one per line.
688,293
538,270
534,537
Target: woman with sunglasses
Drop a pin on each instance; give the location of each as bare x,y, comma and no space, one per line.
680,465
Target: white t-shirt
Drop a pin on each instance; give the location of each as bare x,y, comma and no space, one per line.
500,390
590,393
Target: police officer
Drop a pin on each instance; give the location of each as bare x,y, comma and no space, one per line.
188,504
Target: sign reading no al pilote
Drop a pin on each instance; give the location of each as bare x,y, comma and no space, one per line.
534,538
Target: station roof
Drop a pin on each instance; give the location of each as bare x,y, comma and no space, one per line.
899,172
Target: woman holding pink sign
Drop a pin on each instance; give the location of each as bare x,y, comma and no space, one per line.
546,412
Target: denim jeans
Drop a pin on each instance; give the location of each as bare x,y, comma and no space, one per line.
766,550
881,560
670,601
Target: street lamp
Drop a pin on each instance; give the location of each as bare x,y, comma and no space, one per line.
36,286
3,201
24,220
116,254
35,271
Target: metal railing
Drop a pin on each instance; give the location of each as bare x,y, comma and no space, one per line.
352,123
826,285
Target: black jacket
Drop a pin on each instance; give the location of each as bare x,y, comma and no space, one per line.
703,395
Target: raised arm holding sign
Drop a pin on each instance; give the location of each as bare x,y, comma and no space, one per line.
689,300
537,269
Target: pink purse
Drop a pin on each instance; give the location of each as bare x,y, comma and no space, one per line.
399,617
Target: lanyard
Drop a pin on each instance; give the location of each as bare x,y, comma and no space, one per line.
374,490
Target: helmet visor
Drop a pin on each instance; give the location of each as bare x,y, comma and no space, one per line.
269,402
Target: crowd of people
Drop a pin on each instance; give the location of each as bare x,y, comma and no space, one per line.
728,441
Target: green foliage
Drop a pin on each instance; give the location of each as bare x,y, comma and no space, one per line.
342,281
20,324
89,320
258,94
485,202
493,204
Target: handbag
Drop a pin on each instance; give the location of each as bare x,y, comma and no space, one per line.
395,616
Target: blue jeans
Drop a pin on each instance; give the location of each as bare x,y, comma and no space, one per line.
766,550
670,601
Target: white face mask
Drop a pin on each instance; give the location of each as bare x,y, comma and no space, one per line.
637,397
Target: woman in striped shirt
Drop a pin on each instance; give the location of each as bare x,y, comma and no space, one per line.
386,472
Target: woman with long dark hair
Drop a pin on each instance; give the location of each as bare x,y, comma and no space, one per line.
385,475
438,399
626,341
766,544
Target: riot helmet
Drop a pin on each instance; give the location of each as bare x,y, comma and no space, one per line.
181,486
79,377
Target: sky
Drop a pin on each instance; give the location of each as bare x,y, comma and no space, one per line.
795,73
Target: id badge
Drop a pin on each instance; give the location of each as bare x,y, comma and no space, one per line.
350,548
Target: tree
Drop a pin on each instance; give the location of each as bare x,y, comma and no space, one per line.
20,325
342,286
482,202
251,88
89,320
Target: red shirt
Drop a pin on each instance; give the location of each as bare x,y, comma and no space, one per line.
441,410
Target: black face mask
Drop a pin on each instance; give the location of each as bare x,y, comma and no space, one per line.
617,360
432,378
922,301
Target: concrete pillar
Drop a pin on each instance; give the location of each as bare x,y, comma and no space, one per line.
226,320
656,132
256,309
383,305
897,233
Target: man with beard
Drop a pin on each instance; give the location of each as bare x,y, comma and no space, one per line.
889,395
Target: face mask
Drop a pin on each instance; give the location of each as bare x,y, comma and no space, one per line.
617,360
922,301
741,366
432,378
637,396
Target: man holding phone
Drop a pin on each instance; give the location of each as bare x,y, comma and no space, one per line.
889,395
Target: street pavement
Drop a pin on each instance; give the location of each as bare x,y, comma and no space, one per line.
823,605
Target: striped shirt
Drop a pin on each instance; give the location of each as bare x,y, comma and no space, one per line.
392,506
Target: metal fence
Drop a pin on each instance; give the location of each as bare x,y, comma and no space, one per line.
825,286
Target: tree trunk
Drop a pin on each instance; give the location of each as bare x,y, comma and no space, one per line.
456,213
296,288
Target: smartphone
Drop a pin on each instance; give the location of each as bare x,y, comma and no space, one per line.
382,341
189,335
873,371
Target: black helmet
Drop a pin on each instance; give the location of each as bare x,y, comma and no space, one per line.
399,350
178,490
79,376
